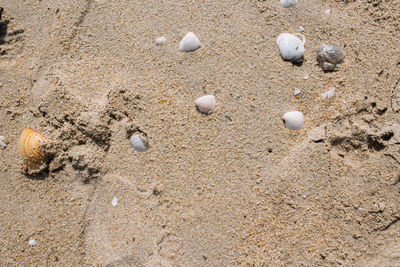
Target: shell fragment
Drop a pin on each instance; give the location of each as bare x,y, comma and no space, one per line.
288,3
328,94
114,202
160,40
3,142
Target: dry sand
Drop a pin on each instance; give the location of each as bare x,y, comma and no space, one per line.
231,188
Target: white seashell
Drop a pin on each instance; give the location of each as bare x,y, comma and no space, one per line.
288,3
291,47
205,104
328,94
301,29
296,91
189,43
293,120
328,12
160,40
114,202
32,242
139,143
3,141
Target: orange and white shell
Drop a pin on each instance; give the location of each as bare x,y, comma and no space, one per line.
31,147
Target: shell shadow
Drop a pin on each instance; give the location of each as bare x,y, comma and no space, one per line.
41,175
203,112
397,181
298,63
3,30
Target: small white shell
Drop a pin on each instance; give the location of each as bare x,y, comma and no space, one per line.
138,143
3,141
291,47
32,242
288,3
114,202
293,120
301,29
205,104
189,43
296,91
328,94
160,40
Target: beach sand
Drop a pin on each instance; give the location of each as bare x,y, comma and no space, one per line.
230,188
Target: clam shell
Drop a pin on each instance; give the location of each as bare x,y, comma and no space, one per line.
205,104
189,43
293,120
291,47
288,3
329,56
139,143
31,147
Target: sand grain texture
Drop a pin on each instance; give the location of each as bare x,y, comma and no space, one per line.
230,188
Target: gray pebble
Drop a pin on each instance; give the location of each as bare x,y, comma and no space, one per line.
329,57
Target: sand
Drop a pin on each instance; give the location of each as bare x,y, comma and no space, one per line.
230,188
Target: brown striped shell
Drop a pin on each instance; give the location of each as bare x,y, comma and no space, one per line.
31,147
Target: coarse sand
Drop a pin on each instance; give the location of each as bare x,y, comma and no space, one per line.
234,187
